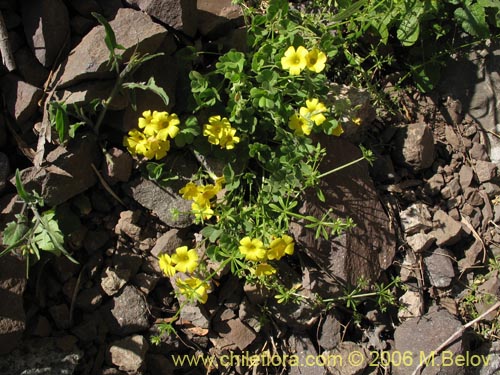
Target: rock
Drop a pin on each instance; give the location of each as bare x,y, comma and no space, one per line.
218,18
81,25
145,282
89,299
40,356
420,336
159,364
439,268
411,305
466,176
416,218
128,354
126,224
473,197
118,167
4,170
341,361
147,100
361,108
235,334
29,68
301,346
46,26
420,242
479,152
12,316
490,291
447,231
84,92
85,8
89,59
21,98
329,335
490,352
68,173
127,313
178,14
60,315
167,243
452,137
435,184
414,146
128,261
86,331
42,327
485,170
113,279
196,315
95,240
491,189
362,251
163,202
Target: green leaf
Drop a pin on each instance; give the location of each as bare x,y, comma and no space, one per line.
73,128
473,20
14,232
151,86
20,188
409,30
110,38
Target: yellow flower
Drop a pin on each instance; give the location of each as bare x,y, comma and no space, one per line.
205,193
228,138
264,269
135,140
189,191
313,111
338,130
300,125
252,249
315,60
219,132
204,212
219,181
280,246
294,60
159,124
185,260
356,120
157,148
193,288
166,265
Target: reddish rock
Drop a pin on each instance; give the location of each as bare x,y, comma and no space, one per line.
414,146
216,18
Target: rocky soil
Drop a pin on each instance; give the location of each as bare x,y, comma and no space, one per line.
427,211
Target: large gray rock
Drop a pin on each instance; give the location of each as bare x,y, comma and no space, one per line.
68,173
362,251
178,14
127,313
30,68
418,337
40,357
4,170
134,30
21,98
12,316
46,26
